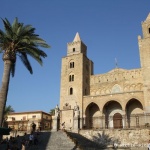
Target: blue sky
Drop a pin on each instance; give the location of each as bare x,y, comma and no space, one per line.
109,28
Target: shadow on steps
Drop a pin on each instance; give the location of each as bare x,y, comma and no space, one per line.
84,143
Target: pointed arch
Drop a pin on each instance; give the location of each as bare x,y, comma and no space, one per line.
71,64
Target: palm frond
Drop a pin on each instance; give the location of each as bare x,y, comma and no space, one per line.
39,42
15,25
8,28
26,62
33,53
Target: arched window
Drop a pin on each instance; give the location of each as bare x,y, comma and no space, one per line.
71,91
71,78
116,89
71,64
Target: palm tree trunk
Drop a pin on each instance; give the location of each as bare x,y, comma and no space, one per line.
4,88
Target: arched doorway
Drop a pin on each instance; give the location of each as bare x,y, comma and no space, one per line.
92,116
134,113
109,110
117,120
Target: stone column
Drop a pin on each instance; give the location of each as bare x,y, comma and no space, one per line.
123,119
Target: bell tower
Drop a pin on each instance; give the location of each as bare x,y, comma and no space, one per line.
144,49
75,80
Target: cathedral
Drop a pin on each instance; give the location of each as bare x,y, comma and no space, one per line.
119,98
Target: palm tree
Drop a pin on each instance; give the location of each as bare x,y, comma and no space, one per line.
7,111
19,40
52,111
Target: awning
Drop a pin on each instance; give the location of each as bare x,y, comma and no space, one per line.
4,131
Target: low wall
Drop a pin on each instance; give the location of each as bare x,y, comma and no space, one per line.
124,137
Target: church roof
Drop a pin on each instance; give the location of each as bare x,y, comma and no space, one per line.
77,37
148,17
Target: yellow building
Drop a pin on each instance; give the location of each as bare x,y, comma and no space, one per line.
22,121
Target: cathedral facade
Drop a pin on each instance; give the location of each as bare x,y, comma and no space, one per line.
119,98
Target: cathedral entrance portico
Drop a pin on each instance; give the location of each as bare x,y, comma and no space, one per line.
113,113
92,116
134,113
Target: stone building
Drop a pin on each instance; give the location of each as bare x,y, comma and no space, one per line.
119,98
22,121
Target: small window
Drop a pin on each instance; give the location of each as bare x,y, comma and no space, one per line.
72,65
71,91
149,30
34,116
71,78
24,118
74,49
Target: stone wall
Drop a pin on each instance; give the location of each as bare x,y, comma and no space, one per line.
116,81
126,137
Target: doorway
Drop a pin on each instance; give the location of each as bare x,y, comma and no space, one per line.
117,120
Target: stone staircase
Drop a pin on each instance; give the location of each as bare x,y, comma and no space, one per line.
54,141
60,141
63,140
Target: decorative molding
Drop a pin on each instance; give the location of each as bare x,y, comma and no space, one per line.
67,106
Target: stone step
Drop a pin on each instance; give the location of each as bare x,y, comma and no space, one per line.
53,141
83,142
